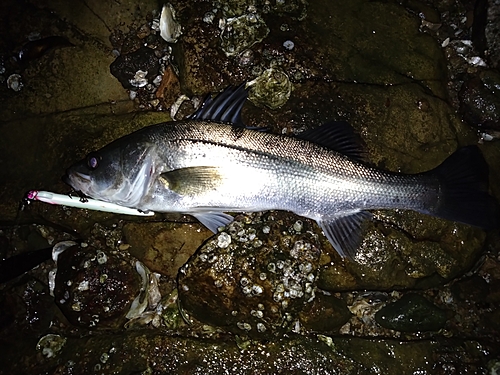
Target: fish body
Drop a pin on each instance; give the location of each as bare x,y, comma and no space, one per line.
205,168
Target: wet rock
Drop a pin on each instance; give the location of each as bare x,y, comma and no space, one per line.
26,307
164,247
480,100
241,33
95,288
404,249
150,352
493,297
253,277
411,313
325,314
136,69
492,319
486,30
492,33
470,288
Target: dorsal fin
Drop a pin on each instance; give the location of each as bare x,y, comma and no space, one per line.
226,107
338,136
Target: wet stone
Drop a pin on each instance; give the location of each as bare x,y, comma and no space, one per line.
480,100
164,247
241,33
325,314
136,69
94,288
411,313
415,251
474,287
257,282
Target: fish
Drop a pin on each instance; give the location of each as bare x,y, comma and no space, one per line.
210,164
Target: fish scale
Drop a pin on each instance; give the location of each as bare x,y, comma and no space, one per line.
329,179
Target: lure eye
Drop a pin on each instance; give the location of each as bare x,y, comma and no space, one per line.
93,161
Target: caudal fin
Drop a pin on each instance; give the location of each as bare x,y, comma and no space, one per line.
464,190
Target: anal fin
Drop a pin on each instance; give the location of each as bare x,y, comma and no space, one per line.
344,232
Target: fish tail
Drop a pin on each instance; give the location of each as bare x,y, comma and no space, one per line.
464,190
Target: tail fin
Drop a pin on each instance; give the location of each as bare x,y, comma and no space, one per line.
464,190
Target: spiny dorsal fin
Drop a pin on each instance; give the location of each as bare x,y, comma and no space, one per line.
226,107
336,135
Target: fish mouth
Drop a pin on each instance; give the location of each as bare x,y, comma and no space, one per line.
76,179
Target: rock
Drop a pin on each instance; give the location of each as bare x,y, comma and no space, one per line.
480,100
136,69
486,30
252,278
325,314
470,288
404,249
94,288
164,247
411,313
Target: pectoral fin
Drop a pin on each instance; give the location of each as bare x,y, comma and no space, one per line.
344,233
214,220
192,180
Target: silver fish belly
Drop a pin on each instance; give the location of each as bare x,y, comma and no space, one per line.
205,168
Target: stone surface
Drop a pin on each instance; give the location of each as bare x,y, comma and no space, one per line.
95,288
480,100
250,280
164,247
325,314
411,313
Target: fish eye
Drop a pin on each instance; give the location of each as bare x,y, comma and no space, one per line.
93,161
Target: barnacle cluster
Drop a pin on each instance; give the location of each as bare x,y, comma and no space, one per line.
254,281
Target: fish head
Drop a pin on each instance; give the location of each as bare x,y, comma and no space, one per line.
119,173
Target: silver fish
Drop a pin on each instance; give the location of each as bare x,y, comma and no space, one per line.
205,167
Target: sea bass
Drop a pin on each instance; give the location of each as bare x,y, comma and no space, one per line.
211,164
